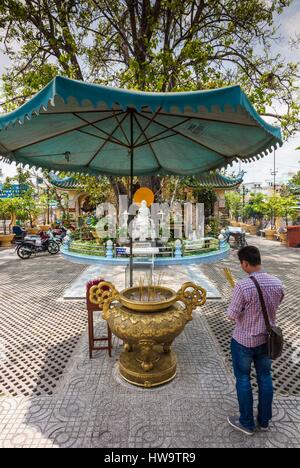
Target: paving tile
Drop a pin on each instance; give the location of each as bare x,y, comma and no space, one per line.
91,406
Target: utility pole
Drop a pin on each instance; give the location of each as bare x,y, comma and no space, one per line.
274,173
244,192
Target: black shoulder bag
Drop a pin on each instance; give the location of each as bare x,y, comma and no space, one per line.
275,335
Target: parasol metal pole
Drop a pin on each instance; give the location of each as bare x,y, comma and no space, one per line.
131,195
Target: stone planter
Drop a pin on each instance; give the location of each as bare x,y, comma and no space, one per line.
6,240
44,227
269,233
32,231
283,237
251,229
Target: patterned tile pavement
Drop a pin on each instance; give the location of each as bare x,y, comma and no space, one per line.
89,405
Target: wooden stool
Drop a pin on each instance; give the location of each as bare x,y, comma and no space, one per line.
92,308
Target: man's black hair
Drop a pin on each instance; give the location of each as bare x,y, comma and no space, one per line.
250,254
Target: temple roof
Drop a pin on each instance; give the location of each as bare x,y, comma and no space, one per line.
66,183
216,180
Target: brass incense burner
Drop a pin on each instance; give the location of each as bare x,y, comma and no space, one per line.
148,320
148,299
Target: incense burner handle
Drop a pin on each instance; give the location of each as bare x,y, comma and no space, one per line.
103,294
192,296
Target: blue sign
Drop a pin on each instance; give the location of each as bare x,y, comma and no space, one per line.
15,190
121,250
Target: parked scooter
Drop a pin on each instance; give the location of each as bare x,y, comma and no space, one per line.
43,242
59,234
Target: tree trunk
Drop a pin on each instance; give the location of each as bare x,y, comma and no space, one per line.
12,221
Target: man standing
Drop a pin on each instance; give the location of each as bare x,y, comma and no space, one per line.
249,342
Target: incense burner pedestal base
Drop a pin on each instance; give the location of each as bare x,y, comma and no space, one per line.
162,372
147,359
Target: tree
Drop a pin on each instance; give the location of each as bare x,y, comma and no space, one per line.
28,210
233,202
255,208
8,209
27,205
277,206
207,196
156,45
101,189
295,180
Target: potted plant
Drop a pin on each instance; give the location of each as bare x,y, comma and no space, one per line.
44,227
233,202
27,210
33,231
8,208
252,229
254,210
283,237
273,209
269,233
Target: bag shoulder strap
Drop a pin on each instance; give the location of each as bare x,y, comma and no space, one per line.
262,303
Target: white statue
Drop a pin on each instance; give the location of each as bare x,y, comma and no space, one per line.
194,236
124,219
143,226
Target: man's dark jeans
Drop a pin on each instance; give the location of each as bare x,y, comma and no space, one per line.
242,358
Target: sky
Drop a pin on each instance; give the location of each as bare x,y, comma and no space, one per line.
287,157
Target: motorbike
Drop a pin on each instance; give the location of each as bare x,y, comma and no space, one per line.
58,234
43,242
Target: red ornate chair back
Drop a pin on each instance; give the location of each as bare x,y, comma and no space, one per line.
89,284
91,309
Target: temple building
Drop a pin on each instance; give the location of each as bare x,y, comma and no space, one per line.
76,197
78,200
220,184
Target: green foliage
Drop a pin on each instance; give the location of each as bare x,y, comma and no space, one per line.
276,206
296,179
233,202
272,207
212,229
255,207
87,247
98,189
173,189
29,83
8,207
27,204
160,45
207,196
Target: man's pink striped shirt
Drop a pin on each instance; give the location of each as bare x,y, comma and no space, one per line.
250,329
